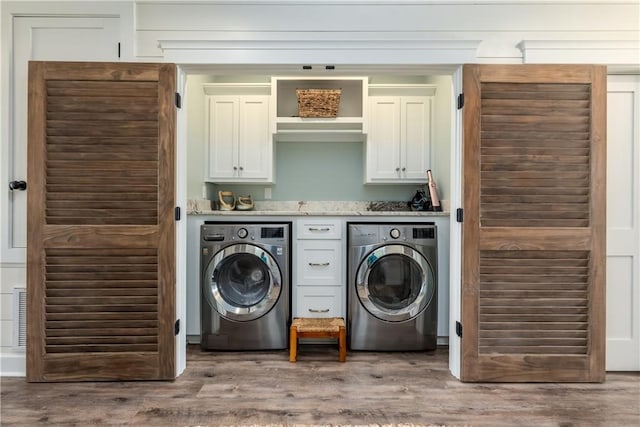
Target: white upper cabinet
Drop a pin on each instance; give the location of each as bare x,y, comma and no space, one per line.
398,147
240,147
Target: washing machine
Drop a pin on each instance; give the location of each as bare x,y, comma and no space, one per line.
392,286
245,285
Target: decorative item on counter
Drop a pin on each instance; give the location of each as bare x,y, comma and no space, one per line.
388,206
433,192
318,102
244,203
420,201
226,200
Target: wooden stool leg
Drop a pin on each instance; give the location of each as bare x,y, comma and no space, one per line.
342,343
293,344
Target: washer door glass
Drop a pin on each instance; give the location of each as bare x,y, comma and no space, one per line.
242,282
395,283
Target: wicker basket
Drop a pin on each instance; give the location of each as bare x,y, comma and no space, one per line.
318,102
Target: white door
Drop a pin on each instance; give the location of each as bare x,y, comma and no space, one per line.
383,141
416,137
222,137
254,159
51,39
623,229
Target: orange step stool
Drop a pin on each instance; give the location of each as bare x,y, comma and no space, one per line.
322,327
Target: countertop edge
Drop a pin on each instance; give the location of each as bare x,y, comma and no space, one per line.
319,213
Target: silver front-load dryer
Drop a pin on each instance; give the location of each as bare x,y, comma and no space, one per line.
392,288
245,288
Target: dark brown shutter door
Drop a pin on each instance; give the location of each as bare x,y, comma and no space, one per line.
101,233
533,279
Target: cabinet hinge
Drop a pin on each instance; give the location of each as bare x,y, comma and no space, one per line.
460,101
118,49
459,329
459,215
176,327
177,213
178,100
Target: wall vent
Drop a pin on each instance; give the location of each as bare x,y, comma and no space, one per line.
20,318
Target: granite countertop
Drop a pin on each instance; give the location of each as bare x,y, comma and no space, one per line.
316,208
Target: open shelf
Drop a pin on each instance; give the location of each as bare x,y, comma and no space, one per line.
351,111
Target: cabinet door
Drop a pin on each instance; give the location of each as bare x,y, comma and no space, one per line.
319,301
314,228
255,157
383,140
319,262
415,137
222,136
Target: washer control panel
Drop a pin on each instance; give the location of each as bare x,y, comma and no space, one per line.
242,233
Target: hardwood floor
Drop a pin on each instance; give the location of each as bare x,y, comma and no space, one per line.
260,388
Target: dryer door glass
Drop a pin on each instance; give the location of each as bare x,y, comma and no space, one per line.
242,282
395,283
243,279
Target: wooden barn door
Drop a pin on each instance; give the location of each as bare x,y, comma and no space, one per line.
533,267
100,226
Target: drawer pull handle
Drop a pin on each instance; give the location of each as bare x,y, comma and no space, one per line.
319,228
318,264
326,310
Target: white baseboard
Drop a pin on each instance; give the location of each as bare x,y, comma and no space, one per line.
13,363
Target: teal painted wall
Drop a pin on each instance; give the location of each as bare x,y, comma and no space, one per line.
320,171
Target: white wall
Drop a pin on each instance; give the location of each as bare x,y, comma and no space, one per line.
498,27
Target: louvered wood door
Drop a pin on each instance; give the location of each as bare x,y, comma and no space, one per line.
533,279
101,233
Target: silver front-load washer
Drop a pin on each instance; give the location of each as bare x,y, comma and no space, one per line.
245,286
392,287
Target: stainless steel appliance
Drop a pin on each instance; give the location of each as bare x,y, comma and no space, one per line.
392,286
245,285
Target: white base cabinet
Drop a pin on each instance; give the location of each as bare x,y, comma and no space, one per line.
319,288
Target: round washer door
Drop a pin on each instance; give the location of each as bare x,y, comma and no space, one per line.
395,283
242,282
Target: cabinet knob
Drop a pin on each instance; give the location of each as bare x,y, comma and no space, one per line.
235,168
241,168
404,169
397,169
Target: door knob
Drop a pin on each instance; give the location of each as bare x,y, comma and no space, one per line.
18,185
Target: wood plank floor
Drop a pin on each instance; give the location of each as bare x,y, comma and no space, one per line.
260,388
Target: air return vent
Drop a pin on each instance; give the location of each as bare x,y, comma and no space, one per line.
20,318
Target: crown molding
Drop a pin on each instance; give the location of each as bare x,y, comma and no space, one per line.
618,55
401,51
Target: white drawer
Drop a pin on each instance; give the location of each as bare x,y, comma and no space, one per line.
319,301
319,263
317,228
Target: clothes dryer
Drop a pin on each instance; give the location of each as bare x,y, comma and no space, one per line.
392,286
245,285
